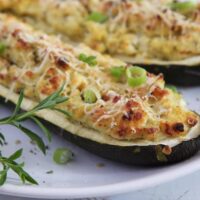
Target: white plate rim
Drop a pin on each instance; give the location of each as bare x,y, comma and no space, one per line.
101,191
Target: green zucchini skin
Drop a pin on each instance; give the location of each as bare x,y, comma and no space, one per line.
178,75
136,155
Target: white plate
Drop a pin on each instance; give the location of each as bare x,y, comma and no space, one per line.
83,177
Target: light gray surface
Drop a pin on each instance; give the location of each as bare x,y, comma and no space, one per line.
186,188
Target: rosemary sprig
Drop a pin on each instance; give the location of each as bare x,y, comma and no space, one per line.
17,117
10,164
16,120
2,139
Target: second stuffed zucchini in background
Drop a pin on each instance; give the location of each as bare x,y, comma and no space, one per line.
157,35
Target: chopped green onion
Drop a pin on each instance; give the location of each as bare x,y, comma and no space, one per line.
117,72
62,155
97,17
89,96
136,76
90,60
2,48
183,7
172,87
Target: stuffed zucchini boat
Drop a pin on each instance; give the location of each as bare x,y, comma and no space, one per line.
118,111
154,33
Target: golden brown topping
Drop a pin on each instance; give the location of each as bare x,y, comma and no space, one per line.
51,71
23,44
116,99
47,90
30,74
150,133
123,131
137,115
105,97
62,63
2,76
16,32
98,113
192,121
178,127
167,150
159,93
131,104
173,129
106,6
128,115
55,81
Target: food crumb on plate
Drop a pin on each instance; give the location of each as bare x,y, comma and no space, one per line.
49,172
100,165
18,142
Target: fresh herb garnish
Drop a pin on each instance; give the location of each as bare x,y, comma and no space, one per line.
62,156
2,139
97,17
90,60
16,120
171,87
10,164
117,72
89,96
183,7
136,76
2,48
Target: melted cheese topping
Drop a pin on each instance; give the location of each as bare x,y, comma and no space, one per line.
146,29
40,64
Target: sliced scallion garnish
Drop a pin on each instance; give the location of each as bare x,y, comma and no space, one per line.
62,156
97,17
183,7
136,76
2,48
117,72
90,60
89,96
